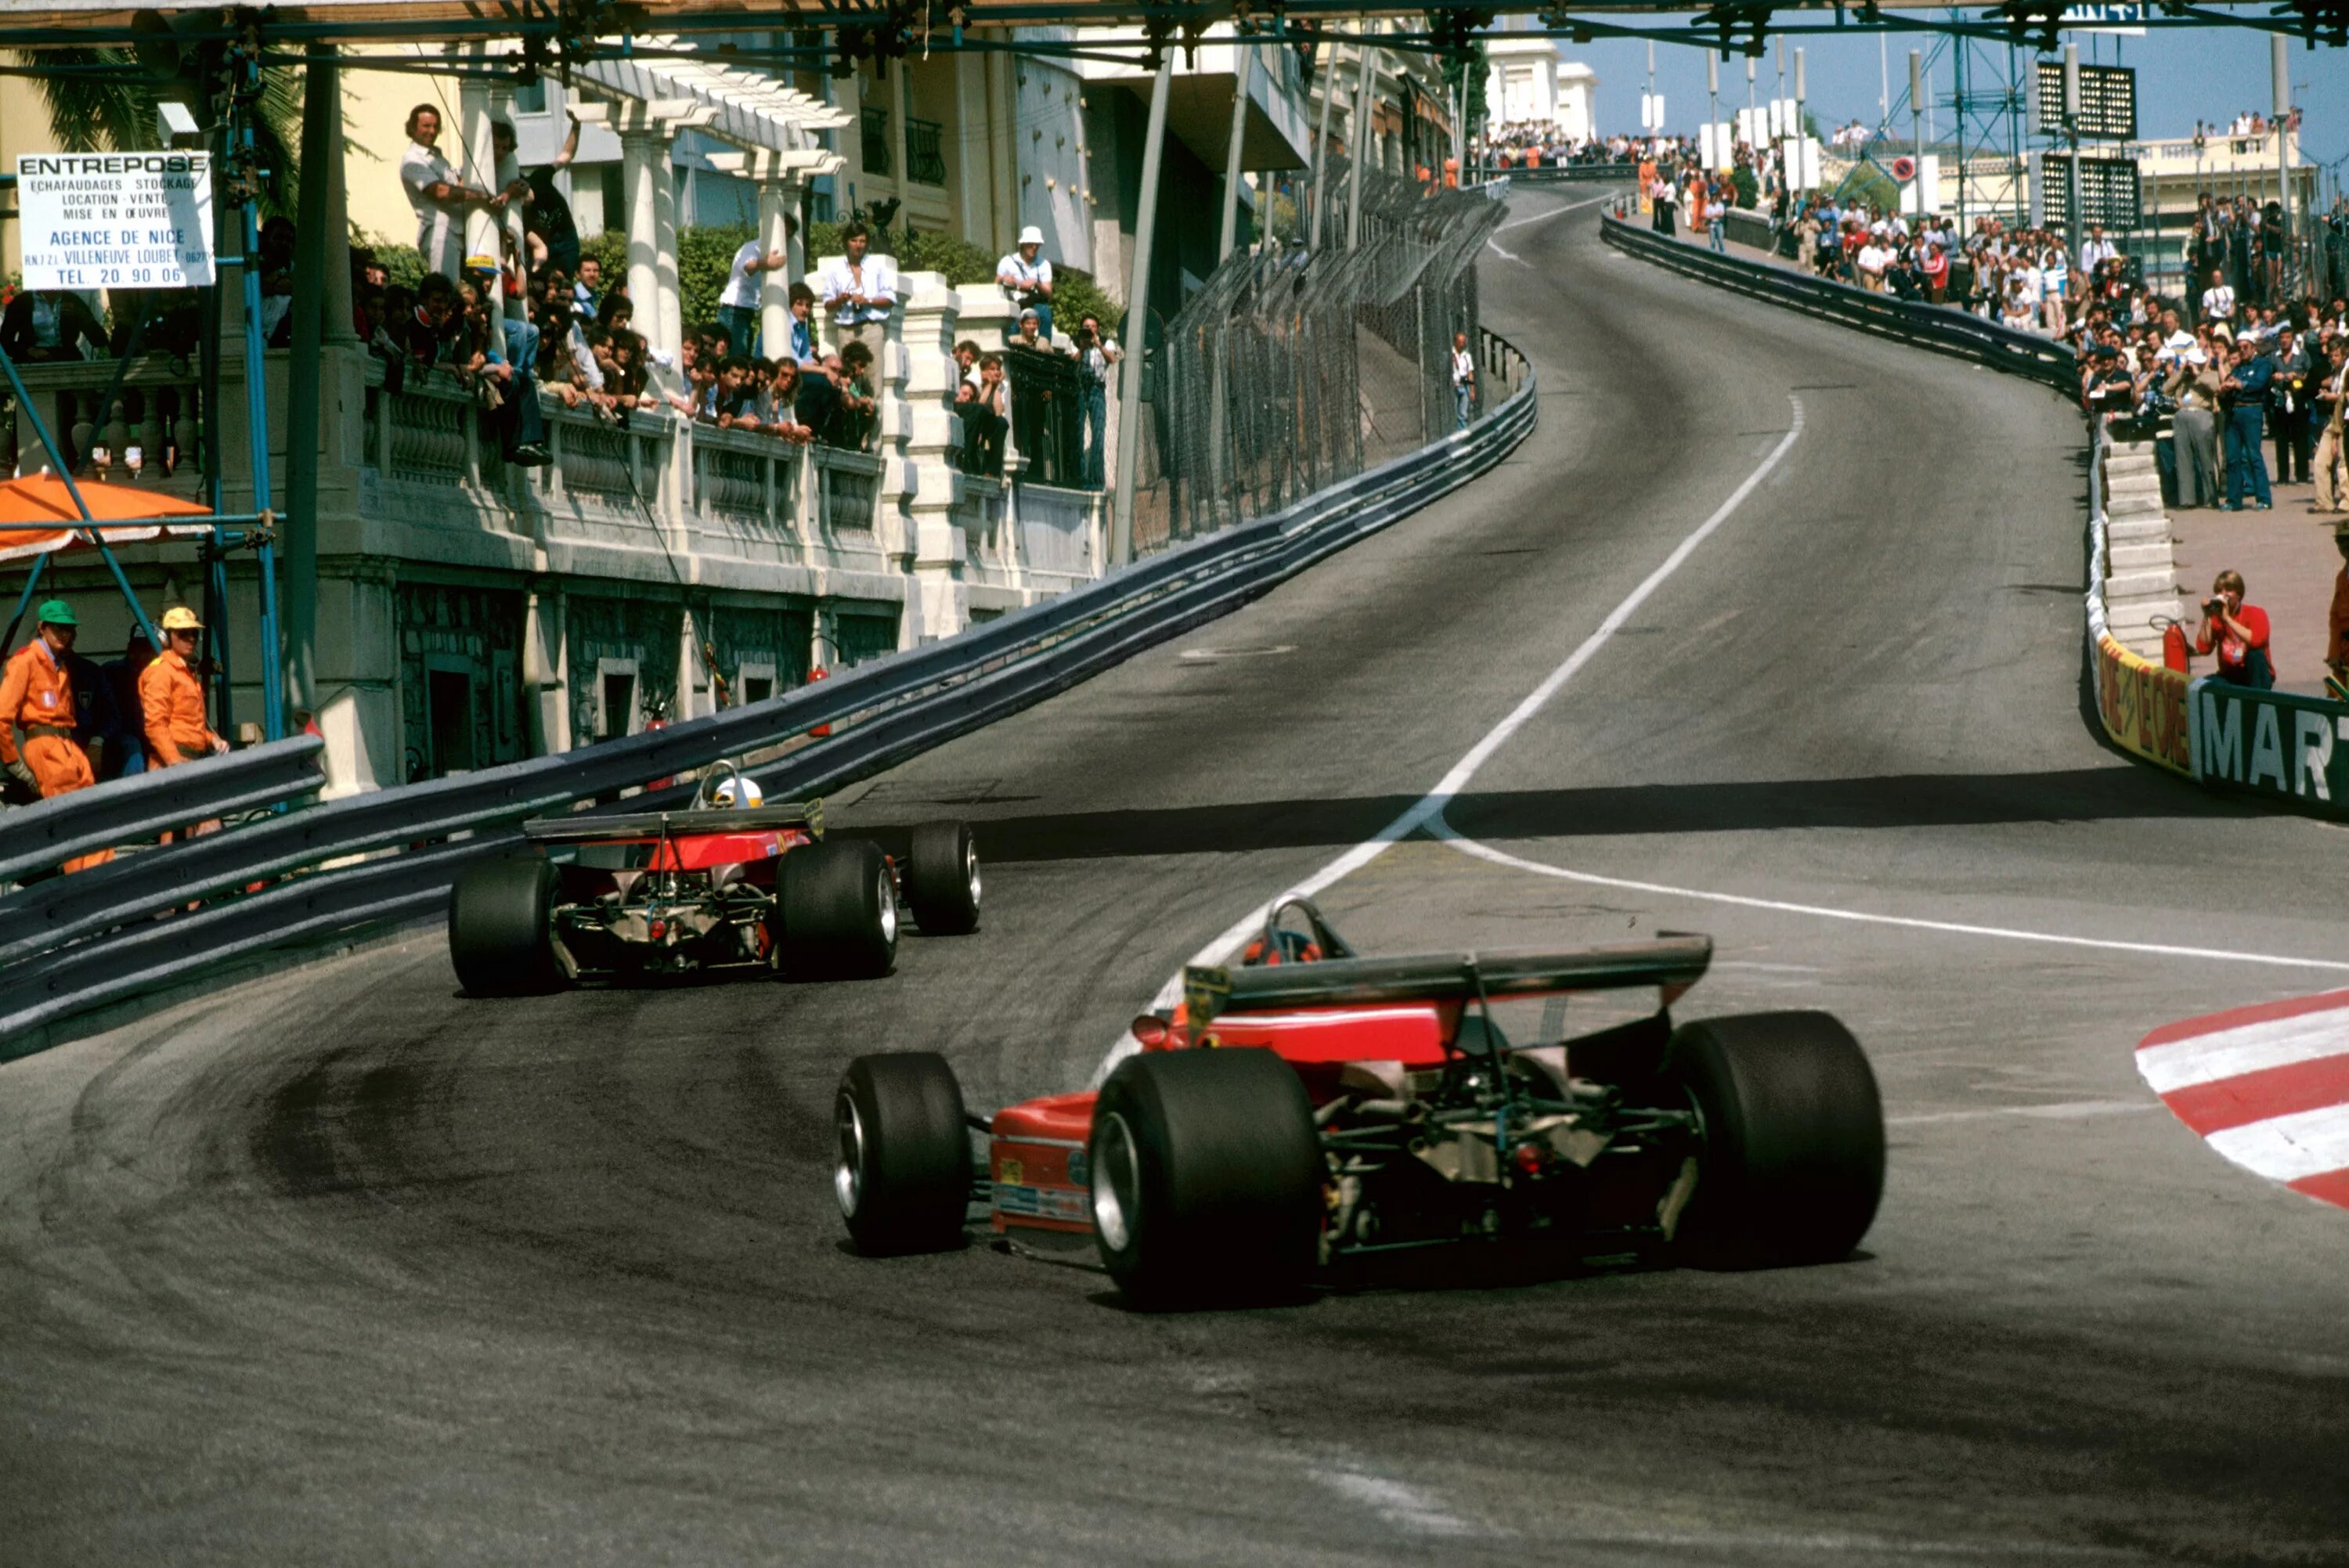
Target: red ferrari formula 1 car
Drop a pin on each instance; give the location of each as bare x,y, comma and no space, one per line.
1358,1106
730,883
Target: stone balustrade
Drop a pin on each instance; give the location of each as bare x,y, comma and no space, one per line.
472,612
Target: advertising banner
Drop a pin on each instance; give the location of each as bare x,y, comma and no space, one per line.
2273,743
2144,706
115,219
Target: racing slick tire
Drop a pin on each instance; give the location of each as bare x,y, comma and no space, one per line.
942,883
902,1170
1206,1179
839,911
1792,1164
500,928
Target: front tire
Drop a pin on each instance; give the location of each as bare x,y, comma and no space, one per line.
839,911
500,928
1792,1165
942,881
902,1169
1206,1179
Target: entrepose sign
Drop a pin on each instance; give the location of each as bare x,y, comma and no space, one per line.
116,220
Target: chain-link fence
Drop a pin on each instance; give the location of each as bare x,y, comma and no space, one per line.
1293,370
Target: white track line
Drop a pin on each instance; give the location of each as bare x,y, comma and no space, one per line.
1546,217
1444,831
1429,807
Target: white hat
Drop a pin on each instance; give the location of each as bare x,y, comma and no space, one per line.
1032,235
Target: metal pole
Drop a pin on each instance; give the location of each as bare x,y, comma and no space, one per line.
1137,317
2072,136
1916,125
1322,147
2279,67
321,123
1242,70
257,407
1364,75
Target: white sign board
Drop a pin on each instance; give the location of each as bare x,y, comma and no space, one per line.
2125,18
115,219
1923,194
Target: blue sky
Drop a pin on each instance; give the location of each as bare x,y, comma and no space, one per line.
2210,74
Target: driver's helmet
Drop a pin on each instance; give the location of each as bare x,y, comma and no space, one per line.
737,792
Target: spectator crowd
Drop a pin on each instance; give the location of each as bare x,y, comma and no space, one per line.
565,328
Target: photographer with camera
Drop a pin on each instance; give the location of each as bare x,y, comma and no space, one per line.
2237,632
1027,277
2288,403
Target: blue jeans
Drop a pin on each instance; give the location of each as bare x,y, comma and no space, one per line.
1043,309
1719,234
742,325
2247,463
529,426
1095,414
1464,401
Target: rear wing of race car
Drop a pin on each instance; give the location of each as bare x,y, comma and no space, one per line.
1673,962
807,814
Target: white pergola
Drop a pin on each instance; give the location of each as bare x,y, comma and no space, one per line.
774,127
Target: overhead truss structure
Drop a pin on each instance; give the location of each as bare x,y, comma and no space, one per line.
554,34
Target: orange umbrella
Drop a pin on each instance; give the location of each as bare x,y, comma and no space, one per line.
44,498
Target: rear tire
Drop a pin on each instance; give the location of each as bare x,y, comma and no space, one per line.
1792,1165
1206,1179
902,1169
942,881
839,911
500,928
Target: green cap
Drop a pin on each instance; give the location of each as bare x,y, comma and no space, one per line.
55,612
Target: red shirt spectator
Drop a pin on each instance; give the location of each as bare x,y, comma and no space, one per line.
2236,631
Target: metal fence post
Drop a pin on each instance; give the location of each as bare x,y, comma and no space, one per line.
1137,317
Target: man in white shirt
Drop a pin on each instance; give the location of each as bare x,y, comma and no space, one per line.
1874,258
2218,300
2095,251
1463,380
738,302
860,291
1027,277
438,197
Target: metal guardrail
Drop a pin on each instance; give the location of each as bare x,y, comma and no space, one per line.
72,944
1935,326
1565,174
125,810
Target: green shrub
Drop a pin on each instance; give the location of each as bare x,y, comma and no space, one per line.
402,264
705,255
1748,189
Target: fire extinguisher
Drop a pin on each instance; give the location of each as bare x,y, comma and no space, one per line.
821,673
2173,646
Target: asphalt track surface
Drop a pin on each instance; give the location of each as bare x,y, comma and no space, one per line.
341,1267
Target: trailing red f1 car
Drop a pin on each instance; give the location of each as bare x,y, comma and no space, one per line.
730,882
1358,1106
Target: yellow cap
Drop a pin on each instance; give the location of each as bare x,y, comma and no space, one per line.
179,618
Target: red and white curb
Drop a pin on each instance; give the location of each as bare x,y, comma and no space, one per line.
2267,1087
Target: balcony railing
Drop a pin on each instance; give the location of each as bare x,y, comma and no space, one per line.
1047,414
925,158
876,126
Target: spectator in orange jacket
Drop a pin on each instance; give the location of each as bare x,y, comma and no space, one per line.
171,698
36,701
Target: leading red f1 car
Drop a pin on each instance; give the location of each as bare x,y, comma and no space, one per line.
1311,1107
730,882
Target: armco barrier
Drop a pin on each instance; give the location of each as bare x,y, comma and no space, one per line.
1927,326
72,944
124,811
